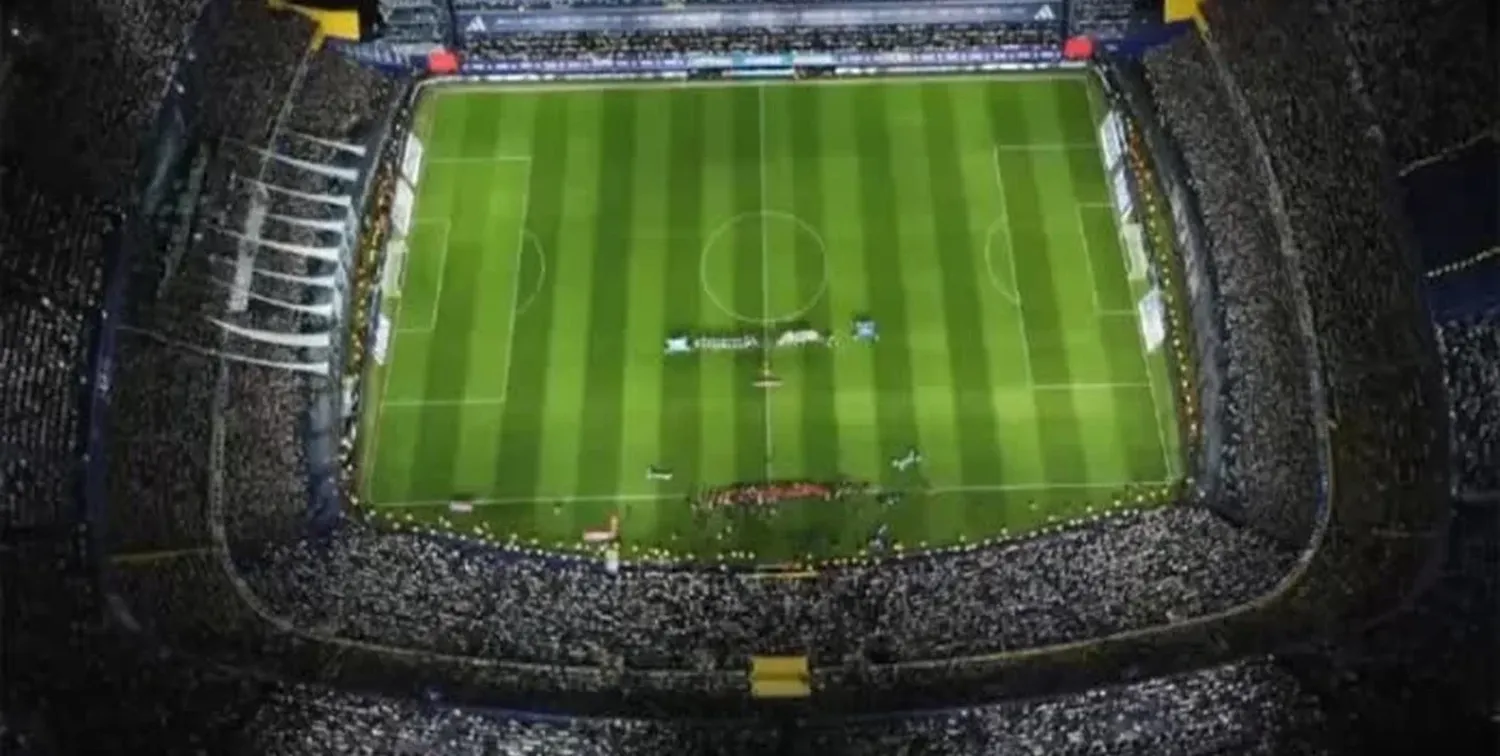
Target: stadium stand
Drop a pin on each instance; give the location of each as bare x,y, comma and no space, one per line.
1426,68
416,21
822,39
565,5
1339,197
1107,19
1471,351
220,614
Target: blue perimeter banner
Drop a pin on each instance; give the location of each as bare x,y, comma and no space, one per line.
476,25
747,61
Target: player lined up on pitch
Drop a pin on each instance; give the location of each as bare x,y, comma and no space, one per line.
774,492
864,330
769,493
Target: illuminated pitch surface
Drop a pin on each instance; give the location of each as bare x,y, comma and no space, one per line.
561,235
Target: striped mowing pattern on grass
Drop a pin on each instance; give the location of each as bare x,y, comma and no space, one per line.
561,235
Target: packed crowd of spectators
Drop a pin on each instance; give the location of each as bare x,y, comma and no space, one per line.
1388,413
165,375
1107,19
415,591
1307,195
200,446
1427,68
1271,460
1249,707
825,39
82,114
49,281
1471,356
1239,708
68,145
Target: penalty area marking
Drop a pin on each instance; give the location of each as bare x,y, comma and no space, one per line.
723,228
437,298
480,159
1011,258
533,242
515,291
1088,258
1011,295
410,403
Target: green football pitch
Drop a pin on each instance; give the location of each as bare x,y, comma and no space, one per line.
560,235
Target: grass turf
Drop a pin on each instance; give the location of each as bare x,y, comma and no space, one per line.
560,235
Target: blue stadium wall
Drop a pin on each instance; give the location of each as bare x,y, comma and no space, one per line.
1453,201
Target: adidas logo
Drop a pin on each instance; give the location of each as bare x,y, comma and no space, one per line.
1045,14
476,26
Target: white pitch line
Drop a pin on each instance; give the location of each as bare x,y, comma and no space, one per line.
522,500
1010,257
515,289
410,403
480,159
437,298
765,268
532,500
1088,386
371,456
1088,257
1047,146
1046,486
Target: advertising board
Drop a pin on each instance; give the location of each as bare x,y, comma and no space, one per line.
1011,54
482,24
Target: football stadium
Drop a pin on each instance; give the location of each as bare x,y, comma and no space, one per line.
561,242
837,377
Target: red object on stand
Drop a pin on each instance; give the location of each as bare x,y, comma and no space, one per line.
1078,48
442,62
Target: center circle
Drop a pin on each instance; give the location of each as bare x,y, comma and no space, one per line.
769,219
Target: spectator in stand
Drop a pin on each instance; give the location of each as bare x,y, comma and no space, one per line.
1471,351
1427,69
528,46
